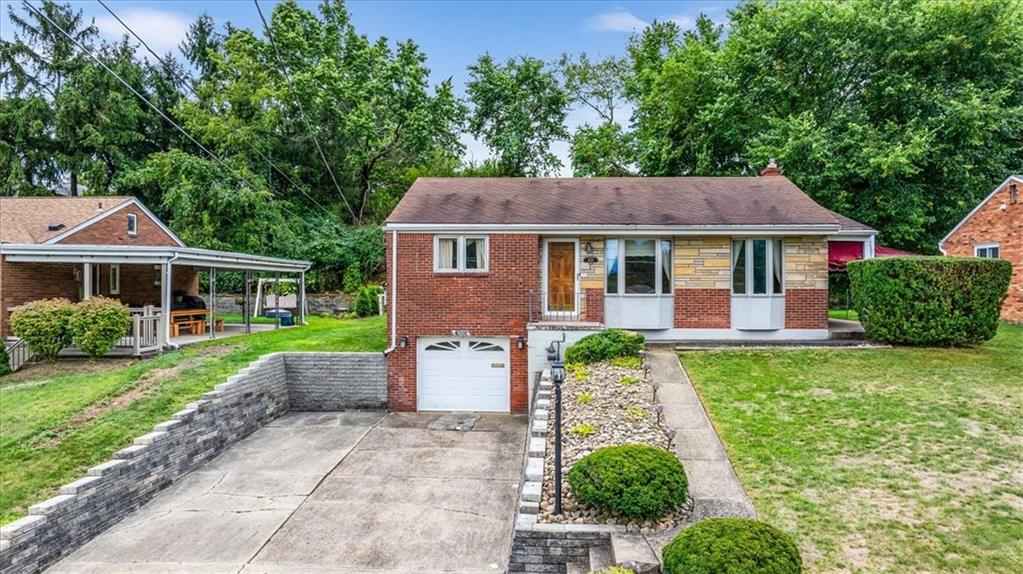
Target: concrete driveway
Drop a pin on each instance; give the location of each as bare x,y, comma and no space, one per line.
332,492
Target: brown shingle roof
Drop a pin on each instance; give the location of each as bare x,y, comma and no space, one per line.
682,201
28,219
849,224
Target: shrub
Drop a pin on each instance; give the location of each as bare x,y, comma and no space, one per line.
585,398
582,430
352,280
627,362
633,480
96,324
577,370
605,345
929,300
366,301
731,546
635,412
5,361
44,325
628,381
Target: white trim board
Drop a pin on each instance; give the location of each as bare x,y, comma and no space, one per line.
105,214
1016,178
593,229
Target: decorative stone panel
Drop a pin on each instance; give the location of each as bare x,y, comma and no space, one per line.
702,262
806,263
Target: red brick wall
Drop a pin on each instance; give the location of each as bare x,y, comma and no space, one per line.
490,304
113,230
806,308
991,224
594,305
703,309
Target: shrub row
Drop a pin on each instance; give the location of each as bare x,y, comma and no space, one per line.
929,300
49,325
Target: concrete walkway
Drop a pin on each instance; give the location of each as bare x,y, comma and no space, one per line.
329,493
715,488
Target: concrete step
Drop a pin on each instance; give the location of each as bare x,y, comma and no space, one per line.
600,557
634,550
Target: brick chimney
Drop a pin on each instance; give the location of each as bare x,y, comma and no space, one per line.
771,169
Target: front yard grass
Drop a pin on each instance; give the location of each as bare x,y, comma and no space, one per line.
54,427
883,460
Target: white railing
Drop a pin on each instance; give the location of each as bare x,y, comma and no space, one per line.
144,334
17,354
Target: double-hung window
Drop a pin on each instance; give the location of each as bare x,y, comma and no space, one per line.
133,225
640,266
454,253
758,267
115,279
989,251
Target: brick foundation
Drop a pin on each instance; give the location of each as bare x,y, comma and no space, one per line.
703,309
594,305
806,309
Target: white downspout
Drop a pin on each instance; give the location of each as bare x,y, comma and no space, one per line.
166,293
392,303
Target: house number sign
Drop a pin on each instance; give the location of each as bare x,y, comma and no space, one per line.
459,333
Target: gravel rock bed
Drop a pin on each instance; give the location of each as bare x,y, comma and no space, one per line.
616,414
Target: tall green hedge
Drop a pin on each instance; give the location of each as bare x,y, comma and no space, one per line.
936,301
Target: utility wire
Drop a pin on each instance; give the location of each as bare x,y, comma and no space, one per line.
301,109
92,56
191,87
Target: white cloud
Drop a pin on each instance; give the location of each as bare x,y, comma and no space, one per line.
162,30
684,22
616,21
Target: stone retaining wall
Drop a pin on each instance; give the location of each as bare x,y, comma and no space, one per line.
316,303
336,381
257,394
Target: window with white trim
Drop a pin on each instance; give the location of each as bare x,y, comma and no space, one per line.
115,279
989,251
95,279
453,253
133,224
637,266
758,267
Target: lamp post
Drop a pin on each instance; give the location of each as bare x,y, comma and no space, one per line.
558,376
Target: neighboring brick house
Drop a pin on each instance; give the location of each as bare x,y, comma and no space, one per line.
483,273
994,228
78,247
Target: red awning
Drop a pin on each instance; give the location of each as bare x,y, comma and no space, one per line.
842,252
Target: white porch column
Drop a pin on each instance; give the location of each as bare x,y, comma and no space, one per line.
86,281
165,301
301,301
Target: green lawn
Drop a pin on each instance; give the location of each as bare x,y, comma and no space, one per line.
851,314
56,425
881,460
238,319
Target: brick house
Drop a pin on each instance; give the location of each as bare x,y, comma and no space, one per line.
78,247
484,273
994,228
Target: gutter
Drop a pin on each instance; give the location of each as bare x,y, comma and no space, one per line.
392,304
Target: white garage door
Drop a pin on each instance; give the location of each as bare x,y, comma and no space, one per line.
463,375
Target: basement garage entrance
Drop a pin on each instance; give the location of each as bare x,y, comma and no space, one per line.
466,374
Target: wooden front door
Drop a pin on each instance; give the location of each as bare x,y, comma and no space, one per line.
561,276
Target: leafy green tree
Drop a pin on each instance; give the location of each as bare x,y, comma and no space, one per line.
901,115
519,110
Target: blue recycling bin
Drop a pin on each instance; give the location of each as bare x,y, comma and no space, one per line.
286,318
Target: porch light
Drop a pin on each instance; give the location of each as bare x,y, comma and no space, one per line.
589,248
521,343
558,372
403,342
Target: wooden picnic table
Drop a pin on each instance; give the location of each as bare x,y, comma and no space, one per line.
194,320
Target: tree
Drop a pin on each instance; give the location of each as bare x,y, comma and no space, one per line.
519,110
899,115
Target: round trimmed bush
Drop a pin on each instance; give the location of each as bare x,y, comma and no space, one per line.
44,325
940,301
605,345
632,480
732,546
366,301
96,324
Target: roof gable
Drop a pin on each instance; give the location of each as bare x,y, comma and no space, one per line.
1012,178
37,220
642,201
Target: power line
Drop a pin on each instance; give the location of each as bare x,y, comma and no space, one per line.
301,109
191,87
92,56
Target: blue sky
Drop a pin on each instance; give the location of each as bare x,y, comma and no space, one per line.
451,33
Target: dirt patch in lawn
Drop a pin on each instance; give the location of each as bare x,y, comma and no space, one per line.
47,370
